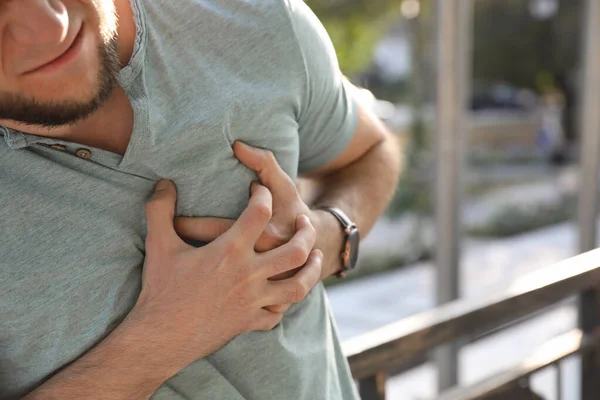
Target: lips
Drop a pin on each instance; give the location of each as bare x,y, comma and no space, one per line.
76,39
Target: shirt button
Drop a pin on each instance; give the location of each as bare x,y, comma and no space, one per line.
58,147
83,153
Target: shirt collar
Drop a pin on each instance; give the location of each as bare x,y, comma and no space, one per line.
18,140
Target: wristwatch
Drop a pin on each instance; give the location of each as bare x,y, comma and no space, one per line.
349,254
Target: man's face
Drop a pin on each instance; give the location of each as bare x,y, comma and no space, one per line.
58,60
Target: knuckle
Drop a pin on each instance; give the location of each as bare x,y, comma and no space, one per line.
269,157
156,205
233,248
298,293
281,266
298,255
264,211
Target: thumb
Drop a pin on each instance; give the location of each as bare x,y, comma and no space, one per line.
202,229
160,211
265,165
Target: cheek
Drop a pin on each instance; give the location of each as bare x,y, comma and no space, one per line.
78,82
103,16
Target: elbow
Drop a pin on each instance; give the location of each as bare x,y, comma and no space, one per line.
392,156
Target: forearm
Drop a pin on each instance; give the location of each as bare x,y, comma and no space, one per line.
362,190
131,363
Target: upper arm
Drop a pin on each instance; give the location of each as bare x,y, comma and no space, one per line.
328,112
369,132
334,128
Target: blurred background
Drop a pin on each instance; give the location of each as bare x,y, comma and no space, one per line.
518,174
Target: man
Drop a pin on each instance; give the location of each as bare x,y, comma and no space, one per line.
102,101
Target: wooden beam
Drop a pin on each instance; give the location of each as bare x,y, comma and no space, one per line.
546,355
398,343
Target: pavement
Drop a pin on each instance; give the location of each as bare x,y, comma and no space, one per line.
487,266
409,236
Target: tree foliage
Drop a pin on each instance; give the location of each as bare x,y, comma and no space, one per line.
510,45
355,28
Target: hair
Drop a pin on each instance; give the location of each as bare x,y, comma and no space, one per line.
30,111
65,112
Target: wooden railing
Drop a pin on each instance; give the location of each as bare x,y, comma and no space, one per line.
372,355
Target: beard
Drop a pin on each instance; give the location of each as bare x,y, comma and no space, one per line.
53,114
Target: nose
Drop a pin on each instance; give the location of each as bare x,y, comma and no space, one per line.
37,21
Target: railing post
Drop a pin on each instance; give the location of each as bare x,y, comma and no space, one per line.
373,388
588,194
453,66
590,361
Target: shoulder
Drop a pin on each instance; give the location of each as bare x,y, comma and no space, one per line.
192,14
253,32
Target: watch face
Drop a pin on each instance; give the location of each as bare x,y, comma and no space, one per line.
354,240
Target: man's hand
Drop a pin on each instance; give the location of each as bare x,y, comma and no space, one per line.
216,292
192,302
287,205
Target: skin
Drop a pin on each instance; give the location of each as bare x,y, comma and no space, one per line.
287,245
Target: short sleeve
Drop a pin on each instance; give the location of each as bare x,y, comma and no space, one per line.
328,112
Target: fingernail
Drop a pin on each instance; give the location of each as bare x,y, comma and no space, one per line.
304,218
163,184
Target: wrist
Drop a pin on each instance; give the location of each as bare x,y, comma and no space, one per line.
164,350
130,363
330,240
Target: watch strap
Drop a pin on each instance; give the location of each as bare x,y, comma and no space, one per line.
341,216
349,228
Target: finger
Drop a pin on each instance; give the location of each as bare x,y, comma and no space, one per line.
296,288
160,211
254,219
271,239
267,320
265,165
292,254
203,229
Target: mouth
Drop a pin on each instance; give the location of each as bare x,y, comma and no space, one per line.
62,59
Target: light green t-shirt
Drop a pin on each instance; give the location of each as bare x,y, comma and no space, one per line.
204,73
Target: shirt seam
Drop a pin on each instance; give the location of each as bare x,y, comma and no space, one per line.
305,92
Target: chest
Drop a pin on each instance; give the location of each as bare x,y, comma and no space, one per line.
74,230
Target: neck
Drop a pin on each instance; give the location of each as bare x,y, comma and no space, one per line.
126,30
108,128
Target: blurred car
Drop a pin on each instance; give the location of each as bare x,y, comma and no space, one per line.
502,96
